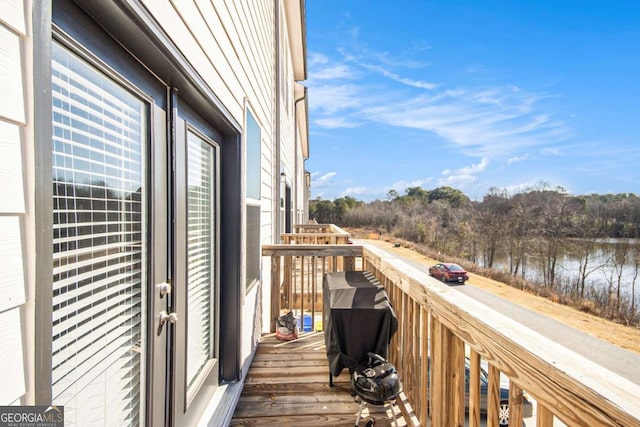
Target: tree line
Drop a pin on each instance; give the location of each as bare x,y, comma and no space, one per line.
534,222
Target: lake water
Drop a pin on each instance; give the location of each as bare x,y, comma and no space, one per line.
606,254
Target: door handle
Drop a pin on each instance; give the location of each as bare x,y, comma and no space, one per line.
164,288
167,317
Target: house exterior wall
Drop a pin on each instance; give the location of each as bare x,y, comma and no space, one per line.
16,225
232,46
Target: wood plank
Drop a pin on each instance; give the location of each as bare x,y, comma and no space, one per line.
312,250
323,420
288,384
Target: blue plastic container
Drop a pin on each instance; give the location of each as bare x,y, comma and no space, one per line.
306,323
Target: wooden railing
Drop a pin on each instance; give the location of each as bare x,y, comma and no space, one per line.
316,234
439,326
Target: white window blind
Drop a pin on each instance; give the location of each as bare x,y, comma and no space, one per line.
200,252
99,247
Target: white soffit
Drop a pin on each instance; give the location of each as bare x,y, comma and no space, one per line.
297,29
301,118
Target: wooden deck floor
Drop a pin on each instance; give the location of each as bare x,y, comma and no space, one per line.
288,385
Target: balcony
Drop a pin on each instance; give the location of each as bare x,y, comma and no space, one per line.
288,382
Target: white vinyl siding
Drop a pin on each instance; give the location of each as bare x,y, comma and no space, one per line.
12,278
16,227
12,105
99,222
13,385
231,44
11,188
13,15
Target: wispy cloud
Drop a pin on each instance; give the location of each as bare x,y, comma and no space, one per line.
319,180
463,176
376,192
401,186
329,99
337,122
469,170
487,121
517,159
357,191
324,69
482,122
457,181
404,80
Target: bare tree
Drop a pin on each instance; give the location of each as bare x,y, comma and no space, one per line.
586,248
618,260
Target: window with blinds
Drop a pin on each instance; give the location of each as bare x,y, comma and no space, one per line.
201,277
253,182
99,191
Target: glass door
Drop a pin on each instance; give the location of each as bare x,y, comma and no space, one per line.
197,264
100,224
133,329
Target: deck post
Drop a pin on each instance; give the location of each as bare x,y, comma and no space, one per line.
275,291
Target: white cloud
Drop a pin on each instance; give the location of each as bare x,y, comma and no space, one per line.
337,122
489,121
338,71
395,77
356,191
457,181
482,122
330,99
315,59
322,180
517,159
401,186
469,170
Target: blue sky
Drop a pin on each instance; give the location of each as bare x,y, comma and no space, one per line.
473,95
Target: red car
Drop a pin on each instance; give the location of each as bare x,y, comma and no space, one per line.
449,272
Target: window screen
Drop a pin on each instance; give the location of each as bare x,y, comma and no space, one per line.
99,222
200,254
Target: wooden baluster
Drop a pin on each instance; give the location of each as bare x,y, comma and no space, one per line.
493,398
455,379
544,417
287,297
474,389
515,404
424,369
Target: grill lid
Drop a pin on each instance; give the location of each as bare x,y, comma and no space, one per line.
377,382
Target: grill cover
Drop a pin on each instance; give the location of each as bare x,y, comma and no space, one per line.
358,319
